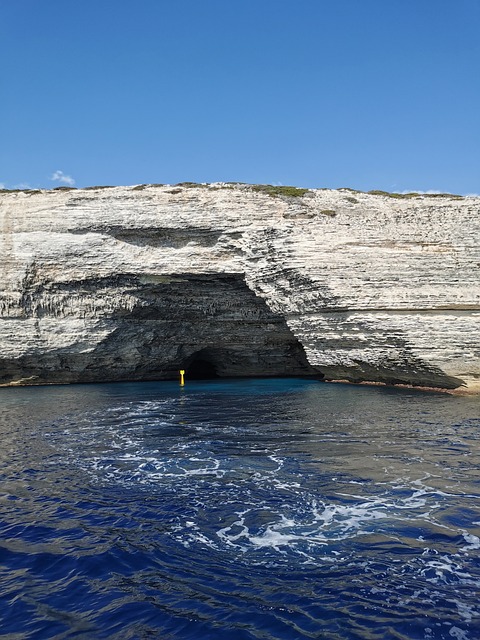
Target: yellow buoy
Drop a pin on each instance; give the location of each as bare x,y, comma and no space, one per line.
182,380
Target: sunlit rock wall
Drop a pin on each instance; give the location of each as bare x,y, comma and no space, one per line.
133,283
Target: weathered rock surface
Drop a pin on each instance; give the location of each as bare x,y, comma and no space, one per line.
134,283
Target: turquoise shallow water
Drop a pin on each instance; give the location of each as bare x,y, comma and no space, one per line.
243,509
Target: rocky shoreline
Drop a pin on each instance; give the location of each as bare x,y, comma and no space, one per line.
134,283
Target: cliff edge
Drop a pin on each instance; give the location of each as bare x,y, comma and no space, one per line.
135,283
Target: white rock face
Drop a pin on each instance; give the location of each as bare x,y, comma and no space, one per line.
137,282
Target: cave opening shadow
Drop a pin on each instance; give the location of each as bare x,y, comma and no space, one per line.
201,366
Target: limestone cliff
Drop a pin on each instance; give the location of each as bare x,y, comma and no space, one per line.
134,283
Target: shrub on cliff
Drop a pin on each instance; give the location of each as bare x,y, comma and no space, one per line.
274,191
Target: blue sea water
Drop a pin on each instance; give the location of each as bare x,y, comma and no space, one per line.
240,509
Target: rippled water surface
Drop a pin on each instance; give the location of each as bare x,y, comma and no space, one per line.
242,509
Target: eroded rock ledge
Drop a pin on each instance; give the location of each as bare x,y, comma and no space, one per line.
134,283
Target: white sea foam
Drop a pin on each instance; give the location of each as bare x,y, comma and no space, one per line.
318,526
468,613
458,633
283,515
473,541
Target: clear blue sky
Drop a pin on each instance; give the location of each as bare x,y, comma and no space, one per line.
370,94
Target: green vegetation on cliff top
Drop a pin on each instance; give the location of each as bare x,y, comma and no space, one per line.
274,191
268,189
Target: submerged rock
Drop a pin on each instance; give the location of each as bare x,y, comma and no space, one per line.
135,283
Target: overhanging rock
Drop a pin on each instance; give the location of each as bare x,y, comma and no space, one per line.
134,283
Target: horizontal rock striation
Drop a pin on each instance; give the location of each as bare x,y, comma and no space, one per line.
134,283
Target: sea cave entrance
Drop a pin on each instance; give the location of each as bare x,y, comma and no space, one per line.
202,365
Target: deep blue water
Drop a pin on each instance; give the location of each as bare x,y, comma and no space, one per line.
248,509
